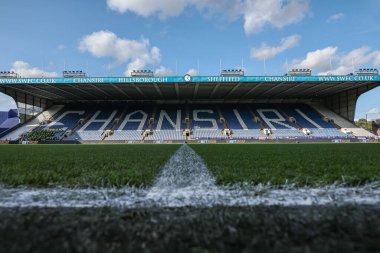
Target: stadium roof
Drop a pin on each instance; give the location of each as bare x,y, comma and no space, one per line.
185,88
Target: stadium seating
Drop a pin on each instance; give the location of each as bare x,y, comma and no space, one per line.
248,134
344,124
35,124
43,135
169,123
199,121
162,135
120,135
205,122
90,135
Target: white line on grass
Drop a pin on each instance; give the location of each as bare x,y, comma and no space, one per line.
186,181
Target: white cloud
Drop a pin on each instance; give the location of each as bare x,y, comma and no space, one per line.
216,7
145,8
318,59
61,47
329,61
163,71
335,17
374,111
376,62
277,13
192,72
267,52
171,8
359,56
256,13
106,44
25,70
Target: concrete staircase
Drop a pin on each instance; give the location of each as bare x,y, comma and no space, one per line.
344,124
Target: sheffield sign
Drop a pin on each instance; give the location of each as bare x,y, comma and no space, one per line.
187,79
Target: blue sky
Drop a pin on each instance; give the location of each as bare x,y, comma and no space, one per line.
111,37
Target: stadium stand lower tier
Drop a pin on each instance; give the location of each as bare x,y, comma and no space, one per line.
186,122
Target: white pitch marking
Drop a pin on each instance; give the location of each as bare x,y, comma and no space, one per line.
186,181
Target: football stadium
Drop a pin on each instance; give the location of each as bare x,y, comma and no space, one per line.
292,162
189,126
230,107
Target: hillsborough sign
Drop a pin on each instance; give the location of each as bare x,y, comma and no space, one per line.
187,79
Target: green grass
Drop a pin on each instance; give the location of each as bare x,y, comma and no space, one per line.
82,165
319,229
303,164
138,165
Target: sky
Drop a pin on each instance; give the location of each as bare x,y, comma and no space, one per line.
175,37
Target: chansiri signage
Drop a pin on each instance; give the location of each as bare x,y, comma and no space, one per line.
187,79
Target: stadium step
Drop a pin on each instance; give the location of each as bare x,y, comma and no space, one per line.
78,125
108,132
343,124
256,119
292,120
338,120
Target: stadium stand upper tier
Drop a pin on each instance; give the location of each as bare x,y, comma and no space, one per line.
184,122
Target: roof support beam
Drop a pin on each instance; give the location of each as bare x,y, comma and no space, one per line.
139,90
158,90
83,91
214,90
27,92
45,91
116,87
252,90
102,91
196,90
177,90
309,88
338,89
343,88
272,88
233,89
64,91
289,89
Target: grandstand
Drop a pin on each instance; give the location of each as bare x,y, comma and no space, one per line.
179,109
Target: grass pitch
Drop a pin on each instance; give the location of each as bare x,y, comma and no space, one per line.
82,165
302,164
138,165
219,229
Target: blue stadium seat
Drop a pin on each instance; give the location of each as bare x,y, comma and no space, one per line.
205,122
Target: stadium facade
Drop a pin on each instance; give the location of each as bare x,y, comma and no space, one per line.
186,108
8,120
